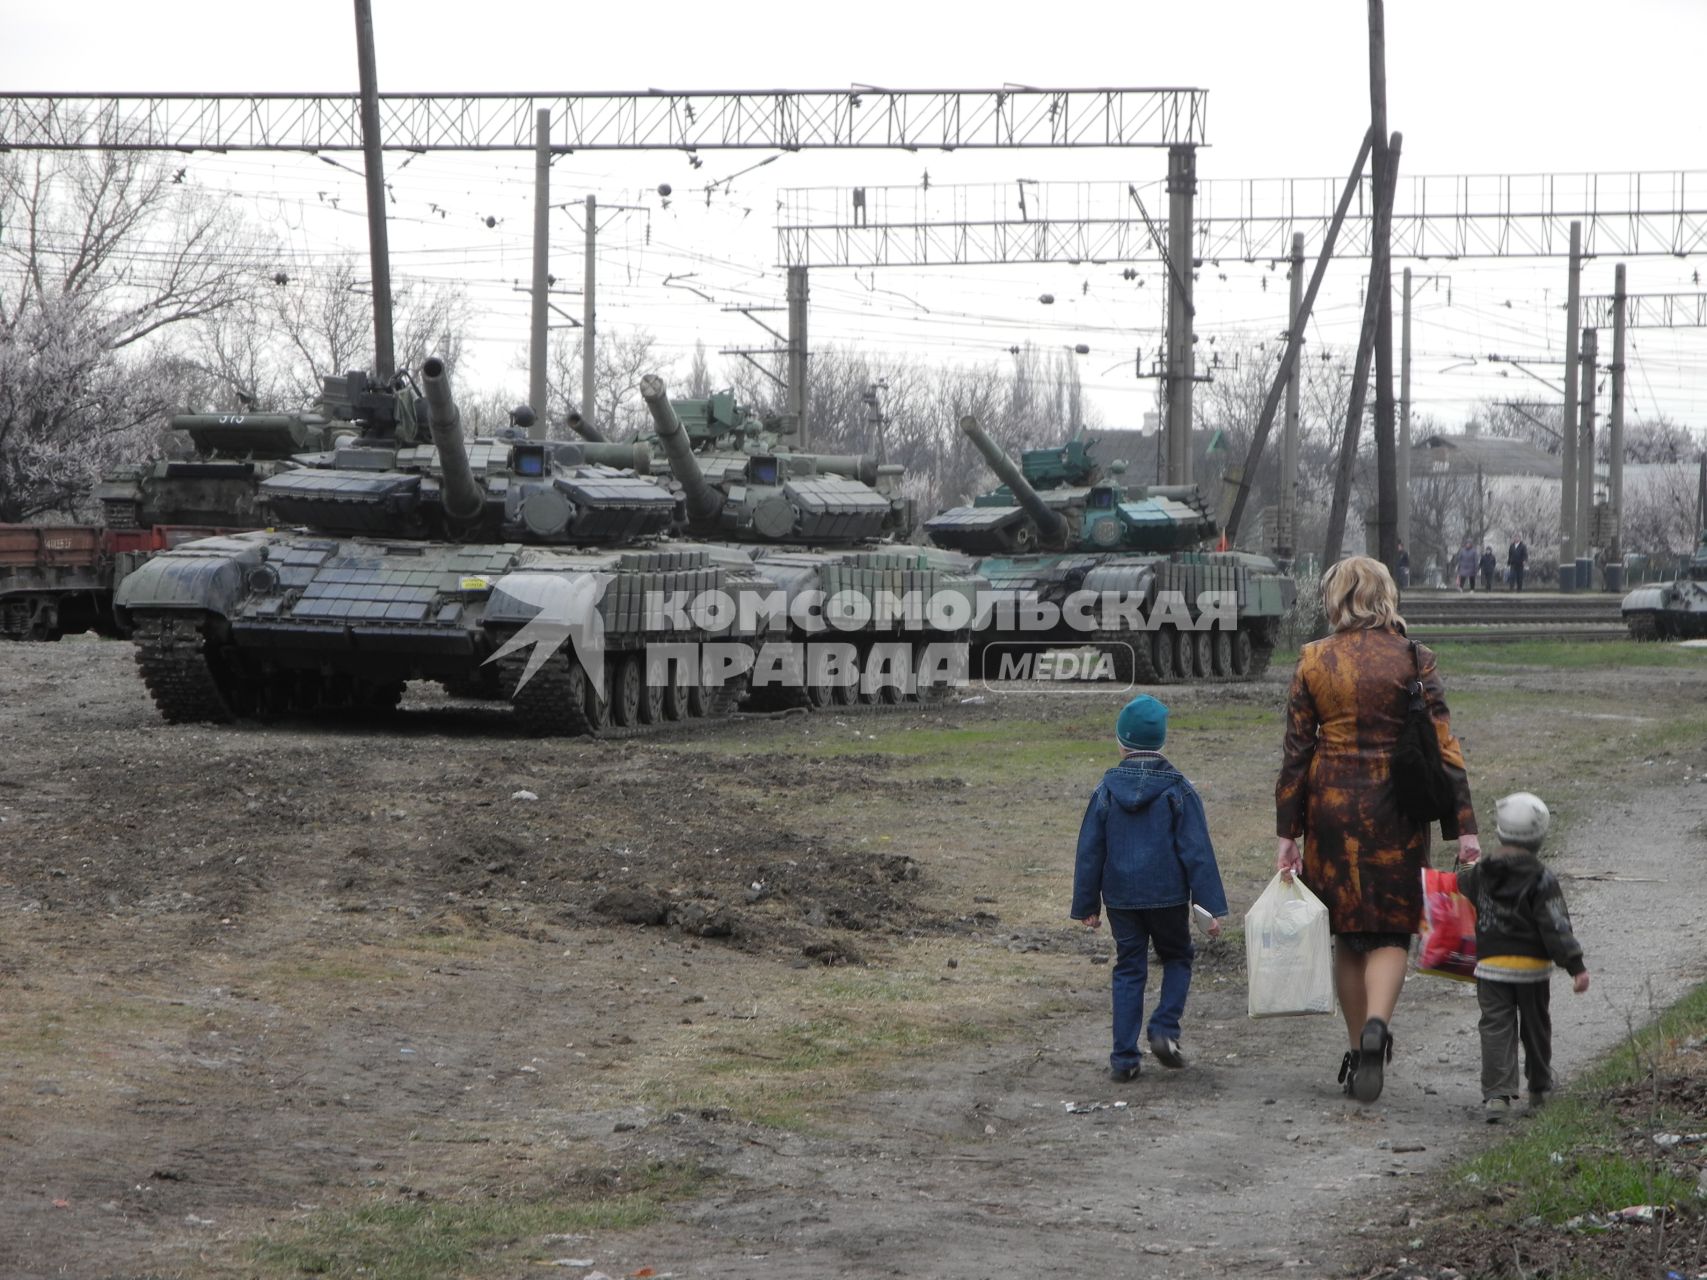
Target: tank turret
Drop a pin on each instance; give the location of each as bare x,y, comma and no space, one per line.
1063,499
775,495
214,482
1051,528
502,488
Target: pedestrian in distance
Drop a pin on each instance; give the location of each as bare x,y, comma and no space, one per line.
1337,813
1403,565
1487,565
1144,857
1467,566
1523,929
1516,558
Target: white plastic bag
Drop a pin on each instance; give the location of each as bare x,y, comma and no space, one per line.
1287,958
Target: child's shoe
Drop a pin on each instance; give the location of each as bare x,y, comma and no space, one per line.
1121,1075
1537,1099
1495,1110
1167,1052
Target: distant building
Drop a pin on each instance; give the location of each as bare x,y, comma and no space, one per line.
1491,456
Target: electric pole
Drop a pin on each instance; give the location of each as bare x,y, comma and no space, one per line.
1404,467
1286,539
1568,442
1182,187
541,276
797,398
1334,544
1386,163
379,249
588,335
1294,339
1615,438
1585,461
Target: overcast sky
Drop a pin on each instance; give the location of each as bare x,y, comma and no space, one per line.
1494,86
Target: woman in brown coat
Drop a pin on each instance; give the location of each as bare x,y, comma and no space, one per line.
1360,855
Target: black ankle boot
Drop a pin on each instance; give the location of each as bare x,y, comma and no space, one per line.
1375,1049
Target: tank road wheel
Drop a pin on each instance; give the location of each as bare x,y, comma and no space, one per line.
844,695
1162,654
819,696
625,687
1243,650
1221,652
1203,660
1184,654
675,701
598,709
934,693
652,695
1643,626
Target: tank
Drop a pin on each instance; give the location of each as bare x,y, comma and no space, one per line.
867,617
1673,610
1676,609
60,580
1076,559
496,565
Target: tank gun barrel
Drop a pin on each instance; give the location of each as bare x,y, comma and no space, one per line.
1050,524
704,502
462,497
855,466
584,428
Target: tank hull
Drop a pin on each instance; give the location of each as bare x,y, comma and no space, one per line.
1156,619
882,624
256,625
1667,611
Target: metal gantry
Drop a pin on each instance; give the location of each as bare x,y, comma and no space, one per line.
1649,311
713,120
1661,213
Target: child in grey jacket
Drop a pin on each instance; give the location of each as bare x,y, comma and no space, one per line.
1523,929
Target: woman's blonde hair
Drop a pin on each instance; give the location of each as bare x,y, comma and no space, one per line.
1358,592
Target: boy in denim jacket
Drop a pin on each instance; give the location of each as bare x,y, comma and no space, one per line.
1144,856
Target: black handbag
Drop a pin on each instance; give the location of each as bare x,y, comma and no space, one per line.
1425,794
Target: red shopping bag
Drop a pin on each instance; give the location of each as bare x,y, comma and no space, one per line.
1448,946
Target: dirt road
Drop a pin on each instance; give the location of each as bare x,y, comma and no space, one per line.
252,978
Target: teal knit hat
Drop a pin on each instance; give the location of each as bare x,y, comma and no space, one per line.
1143,724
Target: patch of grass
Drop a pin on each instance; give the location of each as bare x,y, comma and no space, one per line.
1577,1156
62,1028
1590,1175
415,1240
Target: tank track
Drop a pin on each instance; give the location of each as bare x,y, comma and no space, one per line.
1143,670
171,653
1643,626
553,704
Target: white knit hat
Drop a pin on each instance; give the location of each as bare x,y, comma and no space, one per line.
1522,818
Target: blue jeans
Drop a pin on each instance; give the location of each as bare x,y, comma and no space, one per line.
1169,929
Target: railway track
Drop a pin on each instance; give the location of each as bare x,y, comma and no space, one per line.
1508,632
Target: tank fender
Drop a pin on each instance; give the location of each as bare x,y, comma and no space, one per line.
207,574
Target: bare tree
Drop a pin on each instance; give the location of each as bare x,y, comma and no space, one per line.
315,322
620,359
104,254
